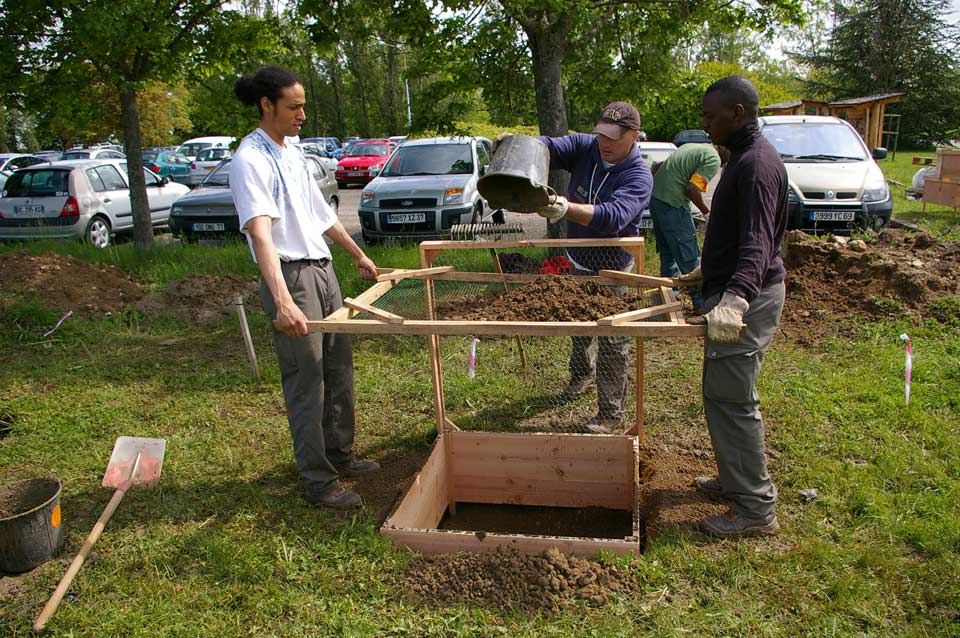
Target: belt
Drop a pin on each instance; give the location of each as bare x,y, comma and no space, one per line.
311,262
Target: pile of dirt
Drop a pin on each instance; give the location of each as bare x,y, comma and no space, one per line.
62,283
201,299
900,273
554,298
509,579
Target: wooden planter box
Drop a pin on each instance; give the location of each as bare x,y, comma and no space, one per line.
559,470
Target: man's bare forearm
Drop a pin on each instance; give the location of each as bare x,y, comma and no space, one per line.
696,196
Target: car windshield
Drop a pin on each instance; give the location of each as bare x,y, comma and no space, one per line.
191,150
150,156
220,176
435,159
362,150
45,183
655,155
76,155
211,154
814,141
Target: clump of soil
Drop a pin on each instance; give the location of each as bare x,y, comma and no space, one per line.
509,579
62,283
554,298
201,299
901,273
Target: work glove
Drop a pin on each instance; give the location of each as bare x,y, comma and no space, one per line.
555,211
725,321
499,138
692,279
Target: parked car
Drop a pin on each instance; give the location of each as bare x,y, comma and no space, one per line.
331,145
426,186
329,162
168,164
13,161
92,153
207,160
835,183
208,212
49,156
397,139
691,136
3,178
85,199
362,162
191,148
653,153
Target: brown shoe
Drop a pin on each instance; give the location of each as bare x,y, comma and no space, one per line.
336,498
602,425
732,525
708,486
357,468
575,388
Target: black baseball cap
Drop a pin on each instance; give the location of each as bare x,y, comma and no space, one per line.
617,117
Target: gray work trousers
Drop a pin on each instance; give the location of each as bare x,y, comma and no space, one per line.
608,358
731,405
316,373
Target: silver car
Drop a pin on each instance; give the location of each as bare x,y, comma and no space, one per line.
207,160
85,199
92,153
208,211
13,161
426,187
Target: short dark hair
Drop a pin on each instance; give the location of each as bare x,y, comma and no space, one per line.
268,82
736,89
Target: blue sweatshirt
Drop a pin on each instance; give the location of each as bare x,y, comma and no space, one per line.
619,195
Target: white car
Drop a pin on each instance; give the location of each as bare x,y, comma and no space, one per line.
92,153
207,160
653,153
312,148
83,199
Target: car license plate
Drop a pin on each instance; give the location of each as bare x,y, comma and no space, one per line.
406,218
832,215
646,222
27,211
208,168
208,227
355,174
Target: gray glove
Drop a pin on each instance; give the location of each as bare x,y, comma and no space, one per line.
693,279
725,321
555,211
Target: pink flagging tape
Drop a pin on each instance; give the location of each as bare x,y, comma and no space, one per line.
908,365
472,365
59,323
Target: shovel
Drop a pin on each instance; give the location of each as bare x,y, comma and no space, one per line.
135,461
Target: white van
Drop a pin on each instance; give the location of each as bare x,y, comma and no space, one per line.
835,182
192,148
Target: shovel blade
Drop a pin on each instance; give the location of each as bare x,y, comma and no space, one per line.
123,461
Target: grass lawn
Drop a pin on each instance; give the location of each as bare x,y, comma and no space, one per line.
226,547
899,173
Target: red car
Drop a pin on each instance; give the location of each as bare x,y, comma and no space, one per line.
363,162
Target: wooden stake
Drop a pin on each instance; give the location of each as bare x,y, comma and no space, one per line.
247,340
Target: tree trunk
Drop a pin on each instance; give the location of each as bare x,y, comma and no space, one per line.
340,125
130,121
547,39
391,112
4,127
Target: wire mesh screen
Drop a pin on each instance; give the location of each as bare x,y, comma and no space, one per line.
530,383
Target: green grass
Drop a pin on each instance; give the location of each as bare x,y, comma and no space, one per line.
225,546
899,172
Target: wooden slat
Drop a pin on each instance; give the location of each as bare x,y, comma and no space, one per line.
513,278
638,280
484,488
500,328
533,243
432,541
420,273
643,313
426,500
377,313
374,292
670,295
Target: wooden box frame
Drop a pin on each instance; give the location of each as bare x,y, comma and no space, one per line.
561,470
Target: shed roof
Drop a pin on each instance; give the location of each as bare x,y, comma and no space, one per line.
880,97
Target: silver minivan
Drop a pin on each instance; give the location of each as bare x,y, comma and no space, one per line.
84,199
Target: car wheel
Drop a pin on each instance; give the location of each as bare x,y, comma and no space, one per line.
498,217
477,214
98,232
335,205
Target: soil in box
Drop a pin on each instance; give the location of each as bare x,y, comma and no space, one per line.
592,522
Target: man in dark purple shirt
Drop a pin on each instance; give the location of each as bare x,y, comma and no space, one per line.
742,277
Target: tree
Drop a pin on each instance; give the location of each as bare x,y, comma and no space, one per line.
884,46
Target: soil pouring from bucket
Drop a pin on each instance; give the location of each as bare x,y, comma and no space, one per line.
135,461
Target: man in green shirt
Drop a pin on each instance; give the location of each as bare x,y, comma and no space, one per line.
680,179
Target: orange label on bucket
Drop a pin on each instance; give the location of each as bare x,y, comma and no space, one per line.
55,517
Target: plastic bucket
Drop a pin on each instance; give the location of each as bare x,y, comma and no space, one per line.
516,178
30,526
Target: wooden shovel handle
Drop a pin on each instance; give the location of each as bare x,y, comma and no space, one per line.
77,563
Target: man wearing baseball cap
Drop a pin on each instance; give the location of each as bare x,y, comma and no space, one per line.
610,187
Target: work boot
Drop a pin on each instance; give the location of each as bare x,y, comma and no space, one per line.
357,468
732,525
575,388
708,486
336,498
602,425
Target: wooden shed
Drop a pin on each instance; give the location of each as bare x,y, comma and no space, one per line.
796,107
865,114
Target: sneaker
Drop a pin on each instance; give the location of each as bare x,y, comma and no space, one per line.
732,525
358,468
336,498
575,389
709,486
602,425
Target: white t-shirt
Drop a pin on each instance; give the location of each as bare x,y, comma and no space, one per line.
273,180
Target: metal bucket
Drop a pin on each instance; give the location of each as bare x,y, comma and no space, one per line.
30,526
516,178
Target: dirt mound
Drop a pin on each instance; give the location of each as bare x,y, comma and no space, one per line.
201,299
509,579
555,298
900,273
62,282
